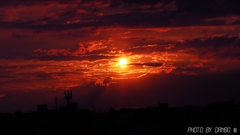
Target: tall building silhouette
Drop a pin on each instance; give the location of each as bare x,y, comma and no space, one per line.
68,96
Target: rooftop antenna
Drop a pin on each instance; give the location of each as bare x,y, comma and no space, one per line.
68,96
56,102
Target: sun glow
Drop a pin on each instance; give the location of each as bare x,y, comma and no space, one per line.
122,62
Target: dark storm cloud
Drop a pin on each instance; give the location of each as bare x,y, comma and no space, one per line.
67,58
44,75
156,19
216,42
118,3
133,19
52,25
186,13
70,13
222,46
21,67
218,46
114,4
11,3
191,70
146,2
236,22
209,8
18,35
147,64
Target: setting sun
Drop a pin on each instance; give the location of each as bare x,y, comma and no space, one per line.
123,62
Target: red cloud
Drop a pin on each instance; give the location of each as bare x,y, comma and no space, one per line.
84,48
52,52
2,95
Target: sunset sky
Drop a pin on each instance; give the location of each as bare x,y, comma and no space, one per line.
119,53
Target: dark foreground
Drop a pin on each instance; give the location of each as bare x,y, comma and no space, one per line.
216,118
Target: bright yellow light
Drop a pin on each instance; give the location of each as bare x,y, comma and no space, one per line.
122,62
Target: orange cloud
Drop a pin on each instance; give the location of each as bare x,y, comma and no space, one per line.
87,47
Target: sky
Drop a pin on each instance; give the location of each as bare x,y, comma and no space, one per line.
118,53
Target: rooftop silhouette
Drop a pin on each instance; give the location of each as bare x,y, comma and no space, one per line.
159,119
